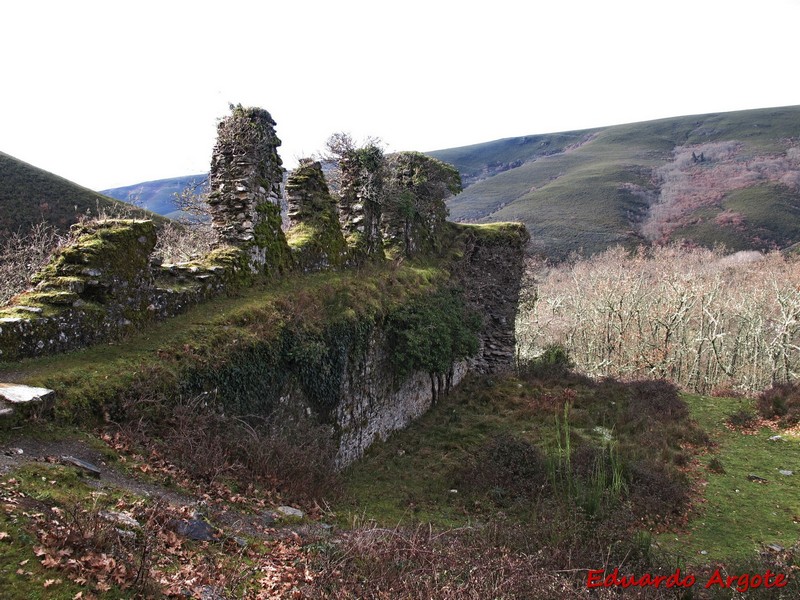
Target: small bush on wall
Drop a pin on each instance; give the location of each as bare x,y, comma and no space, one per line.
432,333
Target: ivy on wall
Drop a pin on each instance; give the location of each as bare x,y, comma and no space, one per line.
433,332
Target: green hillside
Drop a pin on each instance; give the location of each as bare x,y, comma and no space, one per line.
29,195
630,184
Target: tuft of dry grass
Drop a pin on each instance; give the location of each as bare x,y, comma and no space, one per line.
23,255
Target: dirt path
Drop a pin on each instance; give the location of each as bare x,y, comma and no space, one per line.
263,524
23,450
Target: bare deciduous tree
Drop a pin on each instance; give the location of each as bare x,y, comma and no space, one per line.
192,236
697,317
23,255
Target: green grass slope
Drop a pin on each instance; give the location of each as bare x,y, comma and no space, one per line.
588,190
29,195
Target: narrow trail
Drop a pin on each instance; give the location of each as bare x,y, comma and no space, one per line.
265,524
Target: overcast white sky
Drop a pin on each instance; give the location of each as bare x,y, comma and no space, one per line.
112,93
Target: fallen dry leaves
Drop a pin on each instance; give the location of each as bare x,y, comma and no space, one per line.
83,545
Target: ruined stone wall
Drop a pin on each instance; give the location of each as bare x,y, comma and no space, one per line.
490,273
360,201
374,405
103,286
314,235
414,216
245,188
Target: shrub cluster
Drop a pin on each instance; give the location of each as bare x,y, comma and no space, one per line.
781,401
285,450
23,255
507,469
697,317
431,333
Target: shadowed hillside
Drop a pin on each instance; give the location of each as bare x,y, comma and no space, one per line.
29,195
730,178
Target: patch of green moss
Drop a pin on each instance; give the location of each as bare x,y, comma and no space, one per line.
300,235
52,482
52,297
497,233
318,243
270,239
22,577
102,255
69,283
114,246
234,261
460,237
246,347
17,311
315,236
359,247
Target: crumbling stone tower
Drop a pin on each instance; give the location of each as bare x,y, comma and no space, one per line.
245,188
314,235
360,197
414,213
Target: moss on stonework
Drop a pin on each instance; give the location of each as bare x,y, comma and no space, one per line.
461,236
118,247
413,220
359,247
229,263
106,251
70,283
317,245
15,312
248,348
270,239
103,258
497,233
314,236
52,297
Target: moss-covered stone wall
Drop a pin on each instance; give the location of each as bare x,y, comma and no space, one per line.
314,235
489,268
361,196
101,286
413,220
385,304
245,183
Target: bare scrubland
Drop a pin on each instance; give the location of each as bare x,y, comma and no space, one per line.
697,317
699,176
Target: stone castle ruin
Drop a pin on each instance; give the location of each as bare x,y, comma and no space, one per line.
245,187
103,285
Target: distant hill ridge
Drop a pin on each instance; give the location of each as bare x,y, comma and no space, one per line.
720,178
30,195
723,178
159,195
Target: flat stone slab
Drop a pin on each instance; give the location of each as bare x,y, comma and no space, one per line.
289,511
82,464
16,393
